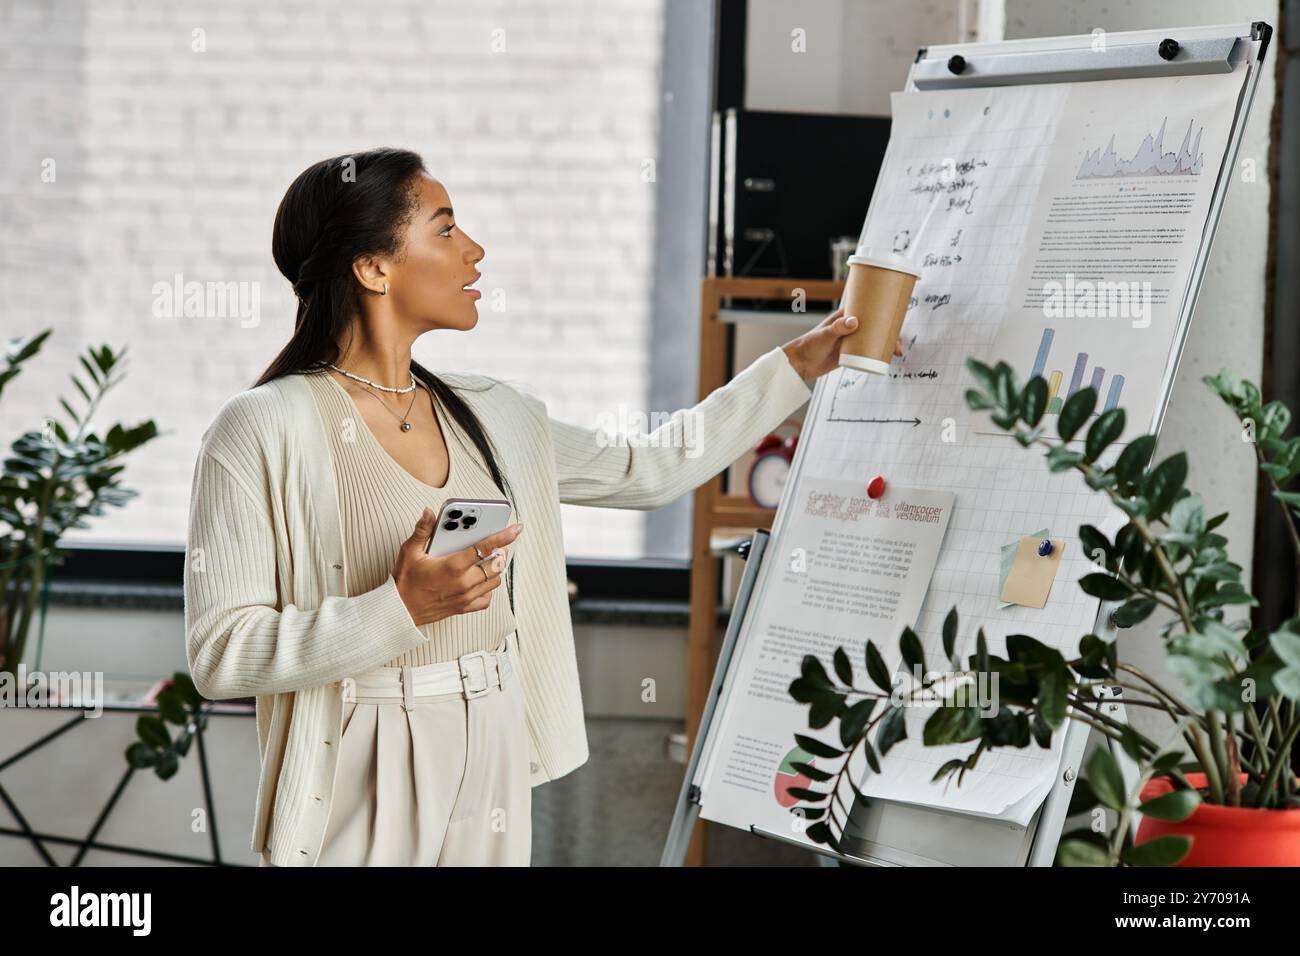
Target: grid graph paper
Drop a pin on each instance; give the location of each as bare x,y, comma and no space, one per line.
956,194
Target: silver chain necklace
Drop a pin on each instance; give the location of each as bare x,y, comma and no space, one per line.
382,388
406,425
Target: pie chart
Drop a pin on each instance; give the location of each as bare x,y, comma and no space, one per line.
787,777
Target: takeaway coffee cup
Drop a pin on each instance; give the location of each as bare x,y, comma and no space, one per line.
877,292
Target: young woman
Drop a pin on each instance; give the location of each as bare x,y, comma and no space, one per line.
405,705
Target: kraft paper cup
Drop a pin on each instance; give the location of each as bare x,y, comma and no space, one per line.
878,291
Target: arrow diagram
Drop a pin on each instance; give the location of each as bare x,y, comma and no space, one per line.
877,421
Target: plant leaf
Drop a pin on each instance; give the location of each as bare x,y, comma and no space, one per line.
1108,427
913,652
818,748
1162,851
1105,779
1034,401
893,728
1081,853
1133,459
1105,586
1076,410
877,670
950,633
1164,483
854,721
843,669
1172,807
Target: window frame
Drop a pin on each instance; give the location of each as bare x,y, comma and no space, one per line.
605,579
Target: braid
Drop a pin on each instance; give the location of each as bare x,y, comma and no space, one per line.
316,265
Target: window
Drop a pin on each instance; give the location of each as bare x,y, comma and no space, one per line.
145,151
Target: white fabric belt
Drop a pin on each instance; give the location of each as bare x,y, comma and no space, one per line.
471,675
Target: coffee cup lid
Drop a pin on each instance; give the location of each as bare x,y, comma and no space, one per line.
866,256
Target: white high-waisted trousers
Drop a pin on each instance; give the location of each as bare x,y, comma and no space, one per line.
433,767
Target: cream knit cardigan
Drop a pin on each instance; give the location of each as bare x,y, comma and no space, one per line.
266,608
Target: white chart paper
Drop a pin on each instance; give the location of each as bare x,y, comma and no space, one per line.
982,187
1112,237
851,564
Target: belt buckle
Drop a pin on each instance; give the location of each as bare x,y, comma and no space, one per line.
470,678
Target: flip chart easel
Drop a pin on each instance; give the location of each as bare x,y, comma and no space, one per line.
898,834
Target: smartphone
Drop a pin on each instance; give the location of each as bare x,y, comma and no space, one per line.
466,521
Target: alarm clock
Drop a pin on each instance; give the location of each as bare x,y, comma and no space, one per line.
771,466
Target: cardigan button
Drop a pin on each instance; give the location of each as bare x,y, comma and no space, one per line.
338,567
532,767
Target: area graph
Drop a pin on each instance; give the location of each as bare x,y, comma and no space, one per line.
1150,159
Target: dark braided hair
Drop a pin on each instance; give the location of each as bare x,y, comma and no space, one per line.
336,210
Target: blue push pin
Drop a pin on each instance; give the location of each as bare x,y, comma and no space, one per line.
1045,547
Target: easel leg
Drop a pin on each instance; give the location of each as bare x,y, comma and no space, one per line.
1114,709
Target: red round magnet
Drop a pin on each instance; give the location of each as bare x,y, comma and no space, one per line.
876,487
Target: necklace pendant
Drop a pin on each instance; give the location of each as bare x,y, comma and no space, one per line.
406,426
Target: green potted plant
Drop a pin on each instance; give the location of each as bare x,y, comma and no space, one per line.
178,702
1224,793
54,479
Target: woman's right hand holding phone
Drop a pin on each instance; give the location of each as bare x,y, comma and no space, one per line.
434,588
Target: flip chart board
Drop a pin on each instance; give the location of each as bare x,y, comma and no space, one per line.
1060,225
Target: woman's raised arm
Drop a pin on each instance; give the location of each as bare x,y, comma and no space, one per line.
648,470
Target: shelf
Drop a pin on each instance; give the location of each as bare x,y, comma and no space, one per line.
721,517
758,317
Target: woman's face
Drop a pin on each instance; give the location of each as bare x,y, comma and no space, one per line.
427,282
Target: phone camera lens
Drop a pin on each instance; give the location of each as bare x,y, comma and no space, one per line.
453,513
450,526
470,521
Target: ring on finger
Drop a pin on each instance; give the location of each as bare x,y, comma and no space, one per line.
484,570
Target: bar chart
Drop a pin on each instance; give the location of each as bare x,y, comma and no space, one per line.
1055,399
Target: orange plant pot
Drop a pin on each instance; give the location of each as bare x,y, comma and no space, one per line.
1227,836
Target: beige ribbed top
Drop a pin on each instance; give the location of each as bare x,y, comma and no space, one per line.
379,502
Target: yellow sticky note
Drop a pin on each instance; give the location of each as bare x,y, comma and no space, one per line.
1030,580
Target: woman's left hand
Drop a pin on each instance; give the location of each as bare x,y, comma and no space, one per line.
817,351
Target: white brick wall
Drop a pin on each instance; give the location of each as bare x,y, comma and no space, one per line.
173,161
